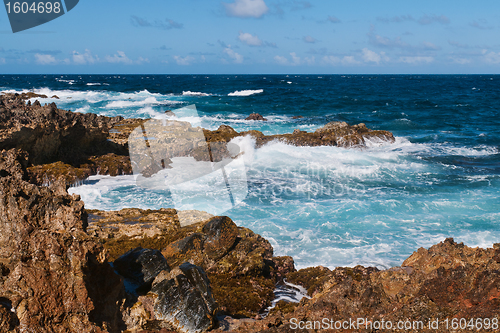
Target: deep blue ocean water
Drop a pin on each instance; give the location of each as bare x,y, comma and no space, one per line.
325,205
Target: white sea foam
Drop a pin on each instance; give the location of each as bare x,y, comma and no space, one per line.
126,104
246,92
194,93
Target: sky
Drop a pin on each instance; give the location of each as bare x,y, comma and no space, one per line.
259,36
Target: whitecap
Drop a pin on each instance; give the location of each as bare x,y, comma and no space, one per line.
246,92
194,93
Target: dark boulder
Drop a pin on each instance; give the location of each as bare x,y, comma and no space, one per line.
184,299
140,266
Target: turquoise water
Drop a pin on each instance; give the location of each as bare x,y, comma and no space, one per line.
326,205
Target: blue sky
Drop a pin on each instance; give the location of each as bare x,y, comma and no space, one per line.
259,36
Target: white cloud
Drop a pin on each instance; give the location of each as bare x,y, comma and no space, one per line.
416,60
309,39
346,60
281,60
184,61
372,56
310,60
430,46
45,59
249,39
246,8
237,58
349,60
119,57
330,60
84,58
295,58
141,60
491,57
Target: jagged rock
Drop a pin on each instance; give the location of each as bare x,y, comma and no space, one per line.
239,263
184,299
255,116
49,134
53,275
8,319
447,281
141,266
179,300
332,134
297,117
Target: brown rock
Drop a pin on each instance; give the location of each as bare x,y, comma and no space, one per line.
447,281
239,263
255,116
49,134
54,275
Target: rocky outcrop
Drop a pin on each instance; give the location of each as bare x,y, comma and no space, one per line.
338,134
239,263
49,134
449,281
54,276
62,144
72,146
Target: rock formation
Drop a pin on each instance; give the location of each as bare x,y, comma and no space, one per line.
54,276
255,116
73,146
449,281
239,263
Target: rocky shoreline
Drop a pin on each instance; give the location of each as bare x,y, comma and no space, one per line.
55,256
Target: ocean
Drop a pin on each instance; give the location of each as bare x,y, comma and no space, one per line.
324,206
